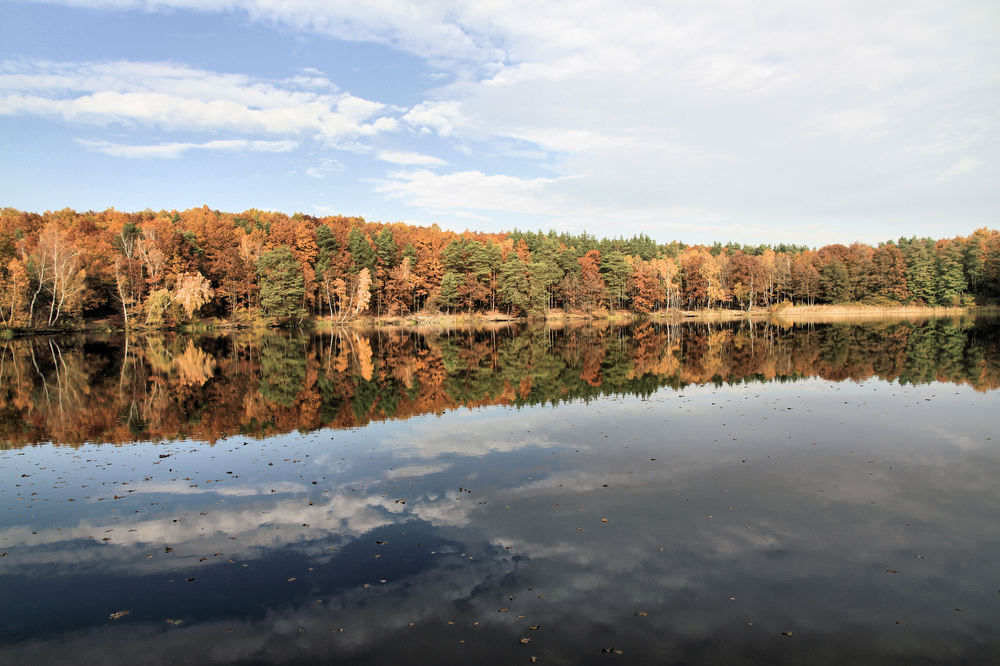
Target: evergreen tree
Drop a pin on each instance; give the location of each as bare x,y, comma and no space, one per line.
615,270
282,285
362,254
920,268
950,285
513,284
448,292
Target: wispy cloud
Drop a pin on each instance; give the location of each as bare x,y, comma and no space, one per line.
410,159
176,149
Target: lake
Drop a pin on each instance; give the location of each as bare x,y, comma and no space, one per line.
698,493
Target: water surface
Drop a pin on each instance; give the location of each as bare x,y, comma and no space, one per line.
703,494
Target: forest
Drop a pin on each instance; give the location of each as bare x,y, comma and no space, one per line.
162,385
161,269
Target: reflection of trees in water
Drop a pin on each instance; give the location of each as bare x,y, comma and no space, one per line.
282,369
78,389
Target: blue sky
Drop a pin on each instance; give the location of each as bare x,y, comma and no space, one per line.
695,121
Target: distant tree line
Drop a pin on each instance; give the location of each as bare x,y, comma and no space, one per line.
158,268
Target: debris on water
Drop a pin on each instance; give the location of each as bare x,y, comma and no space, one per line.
786,633
525,641
641,613
117,615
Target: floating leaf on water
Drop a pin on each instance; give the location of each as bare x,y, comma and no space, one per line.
641,613
292,579
173,621
891,571
117,615
191,579
786,633
535,627
525,641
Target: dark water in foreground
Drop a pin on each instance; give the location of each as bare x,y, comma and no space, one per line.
816,494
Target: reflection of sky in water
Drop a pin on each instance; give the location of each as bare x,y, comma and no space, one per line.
692,526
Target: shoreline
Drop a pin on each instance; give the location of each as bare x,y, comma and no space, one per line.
790,314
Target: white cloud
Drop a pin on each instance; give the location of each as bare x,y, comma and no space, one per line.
179,98
960,168
469,190
851,121
410,159
444,117
176,149
323,168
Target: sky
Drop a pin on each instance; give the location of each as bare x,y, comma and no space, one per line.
771,122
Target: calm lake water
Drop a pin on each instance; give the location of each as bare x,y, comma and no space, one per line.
726,494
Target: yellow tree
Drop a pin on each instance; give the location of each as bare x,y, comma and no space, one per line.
13,294
191,291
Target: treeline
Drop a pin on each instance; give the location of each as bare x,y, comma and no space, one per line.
161,268
75,389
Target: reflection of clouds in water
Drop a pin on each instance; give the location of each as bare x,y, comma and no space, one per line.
476,434
411,471
805,546
227,490
238,532
308,631
242,533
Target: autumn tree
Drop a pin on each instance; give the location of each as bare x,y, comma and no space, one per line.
191,291
592,286
13,294
58,254
805,278
749,280
643,286
889,273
